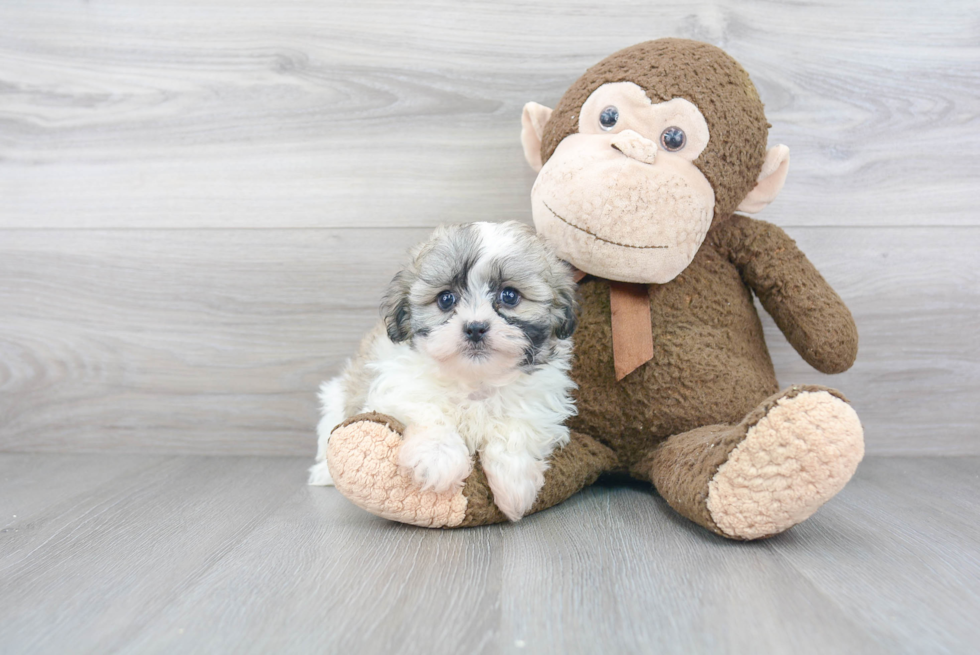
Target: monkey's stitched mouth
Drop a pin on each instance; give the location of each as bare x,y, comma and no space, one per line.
596,236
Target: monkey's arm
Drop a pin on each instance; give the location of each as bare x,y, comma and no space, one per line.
814,319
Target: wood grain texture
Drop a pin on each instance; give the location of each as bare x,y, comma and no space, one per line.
103,564
216,341
205,555
178,341
32,483
899,553
383,113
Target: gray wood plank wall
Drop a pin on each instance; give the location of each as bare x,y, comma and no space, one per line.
201,201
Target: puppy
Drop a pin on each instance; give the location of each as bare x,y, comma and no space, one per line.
472,355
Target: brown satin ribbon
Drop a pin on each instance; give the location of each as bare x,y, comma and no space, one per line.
632,326
632,329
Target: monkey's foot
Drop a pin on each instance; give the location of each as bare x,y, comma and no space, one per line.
788,457
363,458
799,450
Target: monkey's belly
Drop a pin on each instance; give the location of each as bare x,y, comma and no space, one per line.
710,363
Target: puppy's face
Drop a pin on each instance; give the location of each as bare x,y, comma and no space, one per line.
484,300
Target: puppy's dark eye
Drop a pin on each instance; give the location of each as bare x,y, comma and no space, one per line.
673,139
509,296
608,118
446,300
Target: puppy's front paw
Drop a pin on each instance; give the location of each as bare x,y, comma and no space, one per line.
436,457
515,480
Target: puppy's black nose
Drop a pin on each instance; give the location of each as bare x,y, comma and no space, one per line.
476,330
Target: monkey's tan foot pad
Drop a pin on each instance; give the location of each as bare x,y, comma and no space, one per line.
362,456
799,450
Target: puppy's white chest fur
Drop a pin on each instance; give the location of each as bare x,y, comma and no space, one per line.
518,409
480,394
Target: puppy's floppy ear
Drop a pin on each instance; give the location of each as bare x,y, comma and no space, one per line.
395,308
568,320
565,311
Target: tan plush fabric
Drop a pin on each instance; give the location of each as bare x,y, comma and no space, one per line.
770,182
800,454
533,120
702,74
638,114
618,217
362,455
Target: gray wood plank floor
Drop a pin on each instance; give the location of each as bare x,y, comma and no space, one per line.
150,554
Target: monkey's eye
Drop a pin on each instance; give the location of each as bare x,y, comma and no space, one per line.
446,300
673,139
608,118
509,296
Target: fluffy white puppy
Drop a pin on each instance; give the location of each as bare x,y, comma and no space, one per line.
472,355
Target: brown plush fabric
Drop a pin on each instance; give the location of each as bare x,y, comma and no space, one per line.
814,319
683,465
701,73
681,468
710,363
575,466
480,509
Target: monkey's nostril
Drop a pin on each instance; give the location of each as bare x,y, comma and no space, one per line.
476,330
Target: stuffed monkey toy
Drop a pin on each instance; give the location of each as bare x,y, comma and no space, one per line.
642,167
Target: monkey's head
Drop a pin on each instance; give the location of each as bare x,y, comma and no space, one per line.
642,154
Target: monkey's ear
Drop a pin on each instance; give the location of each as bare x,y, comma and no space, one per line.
533,120
771,181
